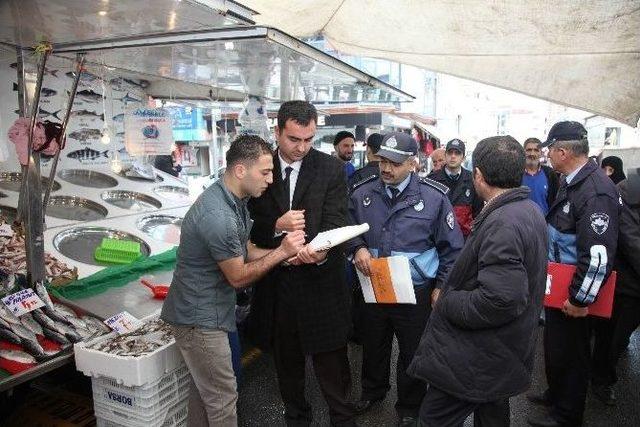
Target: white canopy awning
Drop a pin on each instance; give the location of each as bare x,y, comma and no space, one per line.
583,54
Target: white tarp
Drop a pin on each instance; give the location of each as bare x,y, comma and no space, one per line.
583,54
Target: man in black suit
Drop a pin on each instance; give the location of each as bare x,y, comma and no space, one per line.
302,308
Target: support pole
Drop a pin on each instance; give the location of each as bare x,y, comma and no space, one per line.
63,136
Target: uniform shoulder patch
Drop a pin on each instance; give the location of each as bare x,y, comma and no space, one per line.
435,184
364,181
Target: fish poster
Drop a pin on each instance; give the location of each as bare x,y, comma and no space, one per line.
148,131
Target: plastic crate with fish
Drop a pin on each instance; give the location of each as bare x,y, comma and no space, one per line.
149,398
171,416
140,357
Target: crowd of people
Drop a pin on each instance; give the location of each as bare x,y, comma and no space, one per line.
478,243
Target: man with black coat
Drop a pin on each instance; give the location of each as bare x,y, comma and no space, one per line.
612,335
372,167
479,345
462,195
303,310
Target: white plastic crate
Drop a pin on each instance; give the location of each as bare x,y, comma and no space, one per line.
127,370
177,418
171,414
147,398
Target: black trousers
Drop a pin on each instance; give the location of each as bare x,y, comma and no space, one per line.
567,354
440,409
331,368
380,322
612,338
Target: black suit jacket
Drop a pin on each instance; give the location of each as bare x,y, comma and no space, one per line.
318,294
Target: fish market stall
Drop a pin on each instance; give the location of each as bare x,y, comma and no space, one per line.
98,184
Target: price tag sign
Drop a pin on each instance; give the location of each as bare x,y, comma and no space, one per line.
22,302
123,323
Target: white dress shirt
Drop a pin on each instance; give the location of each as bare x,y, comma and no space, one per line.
293,178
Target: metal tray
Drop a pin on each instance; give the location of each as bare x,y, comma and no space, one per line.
165,228
11,181
87,178
131,200
75,208
9,213
80,243
137,179
170,192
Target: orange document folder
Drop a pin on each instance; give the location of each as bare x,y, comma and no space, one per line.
559,278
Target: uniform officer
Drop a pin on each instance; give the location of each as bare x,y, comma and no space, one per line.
583,231
411,217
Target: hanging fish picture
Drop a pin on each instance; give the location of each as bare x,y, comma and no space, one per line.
87,154
127,98
87,114
43,113
121,83
49,71
45,91
85,76
118,118
85,134
88,95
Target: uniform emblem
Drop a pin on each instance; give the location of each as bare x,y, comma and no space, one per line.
599,222
620,200
391,142
566,207
451,222
366,201
467,193
419,206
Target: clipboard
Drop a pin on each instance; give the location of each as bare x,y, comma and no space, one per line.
328,239
559,278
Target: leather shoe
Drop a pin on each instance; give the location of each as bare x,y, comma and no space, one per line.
605,394
362,406
545,420
541,399
408,422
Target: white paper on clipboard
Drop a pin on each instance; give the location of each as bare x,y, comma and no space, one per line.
330,238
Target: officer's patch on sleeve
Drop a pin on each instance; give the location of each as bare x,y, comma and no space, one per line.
599,222
451,222
364,181
435,184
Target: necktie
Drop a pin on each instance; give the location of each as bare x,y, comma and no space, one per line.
394,194
287,183
454,176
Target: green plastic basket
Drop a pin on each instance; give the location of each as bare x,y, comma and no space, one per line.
117,251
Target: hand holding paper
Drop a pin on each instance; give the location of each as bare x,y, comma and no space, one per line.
389,281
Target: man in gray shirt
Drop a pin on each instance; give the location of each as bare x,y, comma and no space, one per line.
214,258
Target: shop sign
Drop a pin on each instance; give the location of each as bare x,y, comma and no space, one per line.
148,131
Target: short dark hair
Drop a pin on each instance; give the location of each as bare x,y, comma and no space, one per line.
246,149
579,147
343,134
301,112
501,160
532,141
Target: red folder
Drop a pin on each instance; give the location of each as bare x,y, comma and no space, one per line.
559,277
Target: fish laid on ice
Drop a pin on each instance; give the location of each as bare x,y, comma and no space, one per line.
29,341
96,326
41,291
8,335
32,325
56,336
55,315
8,316
87,154
43,319
85,134
67,311
68,332
17,356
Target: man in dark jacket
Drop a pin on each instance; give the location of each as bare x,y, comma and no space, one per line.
583,231
372,167
612,335
462,195
541,180
479,345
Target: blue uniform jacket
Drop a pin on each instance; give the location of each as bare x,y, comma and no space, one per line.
583,231
421,226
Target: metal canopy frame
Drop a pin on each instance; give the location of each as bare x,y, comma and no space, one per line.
232,34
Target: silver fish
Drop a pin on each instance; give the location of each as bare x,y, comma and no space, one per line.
8,316
88,95
65,310
56,336
17,356
29,341
55,315
45,91
44,320
32,325
95,325
85,134
87,154
68,332
10,336
41,291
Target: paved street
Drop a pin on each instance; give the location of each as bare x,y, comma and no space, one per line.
260,405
